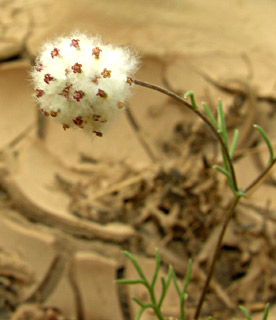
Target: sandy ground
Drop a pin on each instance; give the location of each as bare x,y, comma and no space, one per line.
69,202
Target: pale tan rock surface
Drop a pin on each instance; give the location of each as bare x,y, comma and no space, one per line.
95,271
188,45
16,101
29,245
19,19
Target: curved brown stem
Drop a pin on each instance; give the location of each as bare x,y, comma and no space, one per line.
237,195
261,176
200,115
222,233
215,255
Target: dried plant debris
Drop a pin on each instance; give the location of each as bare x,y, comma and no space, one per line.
14,275
178,205
177,202
37,312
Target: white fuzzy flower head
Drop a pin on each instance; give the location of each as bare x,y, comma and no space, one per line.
81,82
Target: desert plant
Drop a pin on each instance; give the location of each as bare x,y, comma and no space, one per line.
156,304
83,83
218,127
248,316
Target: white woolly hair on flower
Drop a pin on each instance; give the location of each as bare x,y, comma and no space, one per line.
82,82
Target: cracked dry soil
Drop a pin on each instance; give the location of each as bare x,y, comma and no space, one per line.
70,204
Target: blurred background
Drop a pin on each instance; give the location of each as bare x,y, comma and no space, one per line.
70,203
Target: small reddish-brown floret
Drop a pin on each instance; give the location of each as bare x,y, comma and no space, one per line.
53,113
106,73
65,126
48,78
101,93
75,43
66,91
96,52
39,93
120,105
54,53
46,114
95,79
78,121
78,95
39,67
129,81
76,67
98,133
96,117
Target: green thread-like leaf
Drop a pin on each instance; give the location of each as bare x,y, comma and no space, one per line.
241,194
136,264
157,267
184,294
140,303
176,284
187,277
130,281
267,141
210,116
163,292
266,311
150,287
245,312
234,143
139,313
221,124
223,133
221,170
190,95
165,286
144,306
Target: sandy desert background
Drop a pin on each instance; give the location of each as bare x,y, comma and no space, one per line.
69,203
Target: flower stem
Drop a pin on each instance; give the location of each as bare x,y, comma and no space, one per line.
229,168
226,221
200,115
261,176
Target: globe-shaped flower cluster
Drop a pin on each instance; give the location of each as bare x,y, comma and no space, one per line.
81,82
